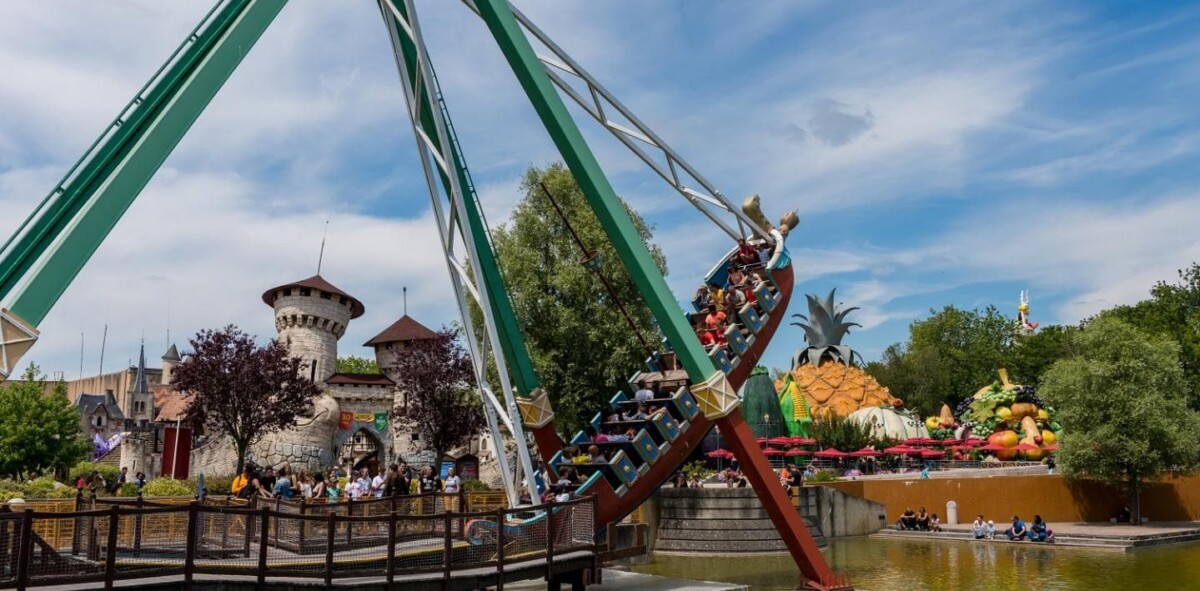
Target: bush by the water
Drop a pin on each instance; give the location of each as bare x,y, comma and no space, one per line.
822,476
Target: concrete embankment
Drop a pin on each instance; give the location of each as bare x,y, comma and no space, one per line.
732,520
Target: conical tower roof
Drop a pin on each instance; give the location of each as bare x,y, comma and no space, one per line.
140,386
319,283
402,331
172,354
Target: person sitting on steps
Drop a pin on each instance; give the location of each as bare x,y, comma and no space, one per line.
1017,531
922,519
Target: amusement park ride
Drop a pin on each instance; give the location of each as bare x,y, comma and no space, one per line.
47,251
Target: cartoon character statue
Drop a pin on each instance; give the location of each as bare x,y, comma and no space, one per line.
1024,326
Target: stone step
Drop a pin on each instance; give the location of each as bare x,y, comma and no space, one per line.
688,493
718,534
715,524
720,546
669,513
711,503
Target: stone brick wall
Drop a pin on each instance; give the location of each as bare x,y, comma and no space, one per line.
311,326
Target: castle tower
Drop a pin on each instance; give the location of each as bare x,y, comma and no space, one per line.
170,360
310,316
391,342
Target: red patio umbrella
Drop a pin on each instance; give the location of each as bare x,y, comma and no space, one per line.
761,440
950,442
803,441
1052,447
1027,447
962,447
932,454
720,453
866,452
791,453
913,441
780,441
974,441
831,453
994,447
901,450
771,451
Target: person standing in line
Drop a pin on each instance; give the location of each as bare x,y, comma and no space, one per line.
378,484
452,482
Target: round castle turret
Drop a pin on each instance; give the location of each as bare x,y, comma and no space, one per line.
310,316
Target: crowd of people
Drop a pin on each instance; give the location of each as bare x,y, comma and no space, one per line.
920,520
719,303
337,484
95,482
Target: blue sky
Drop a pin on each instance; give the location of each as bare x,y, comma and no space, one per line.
938,153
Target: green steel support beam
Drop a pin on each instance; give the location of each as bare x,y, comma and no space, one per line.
600,195
516,355
93,201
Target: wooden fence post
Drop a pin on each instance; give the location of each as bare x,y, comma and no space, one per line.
137,527
549,538
447,549
500,549
329,548
303,526
110,554
249,520
391,555
77,529
349,524
193,532
262,545
24,552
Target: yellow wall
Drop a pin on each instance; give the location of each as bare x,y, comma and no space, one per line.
1000,497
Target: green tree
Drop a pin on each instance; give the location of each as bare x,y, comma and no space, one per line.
1122,401
948,357
581,347
1030,356
242,390
39,433
355,364
1173,310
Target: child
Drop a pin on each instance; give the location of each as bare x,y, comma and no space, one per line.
991,530
935,524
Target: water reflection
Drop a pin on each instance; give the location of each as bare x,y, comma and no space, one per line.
885,565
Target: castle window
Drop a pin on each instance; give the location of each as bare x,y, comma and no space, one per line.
304,291
342,300
286,292
325,296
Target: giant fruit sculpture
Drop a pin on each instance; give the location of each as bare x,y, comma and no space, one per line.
825,371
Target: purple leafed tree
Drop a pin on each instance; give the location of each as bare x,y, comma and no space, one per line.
240,389
437,376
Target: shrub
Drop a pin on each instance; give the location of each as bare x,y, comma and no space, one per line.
39,488
474,485
697,470
213,485
168,487
822,476
833,431
84,469
128,489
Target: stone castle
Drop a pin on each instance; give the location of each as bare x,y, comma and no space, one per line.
357,420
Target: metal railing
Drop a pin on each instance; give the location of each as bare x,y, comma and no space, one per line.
381,538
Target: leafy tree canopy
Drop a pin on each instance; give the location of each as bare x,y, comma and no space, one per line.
1122,399
1173,310
581,347
437,378
39,433
240,389
355,364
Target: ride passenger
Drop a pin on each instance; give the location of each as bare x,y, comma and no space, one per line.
644,392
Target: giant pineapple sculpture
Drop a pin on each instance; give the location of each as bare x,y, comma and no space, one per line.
826,370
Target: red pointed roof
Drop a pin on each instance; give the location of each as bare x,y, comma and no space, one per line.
319,283
403,330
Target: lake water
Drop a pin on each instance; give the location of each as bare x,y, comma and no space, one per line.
895,565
